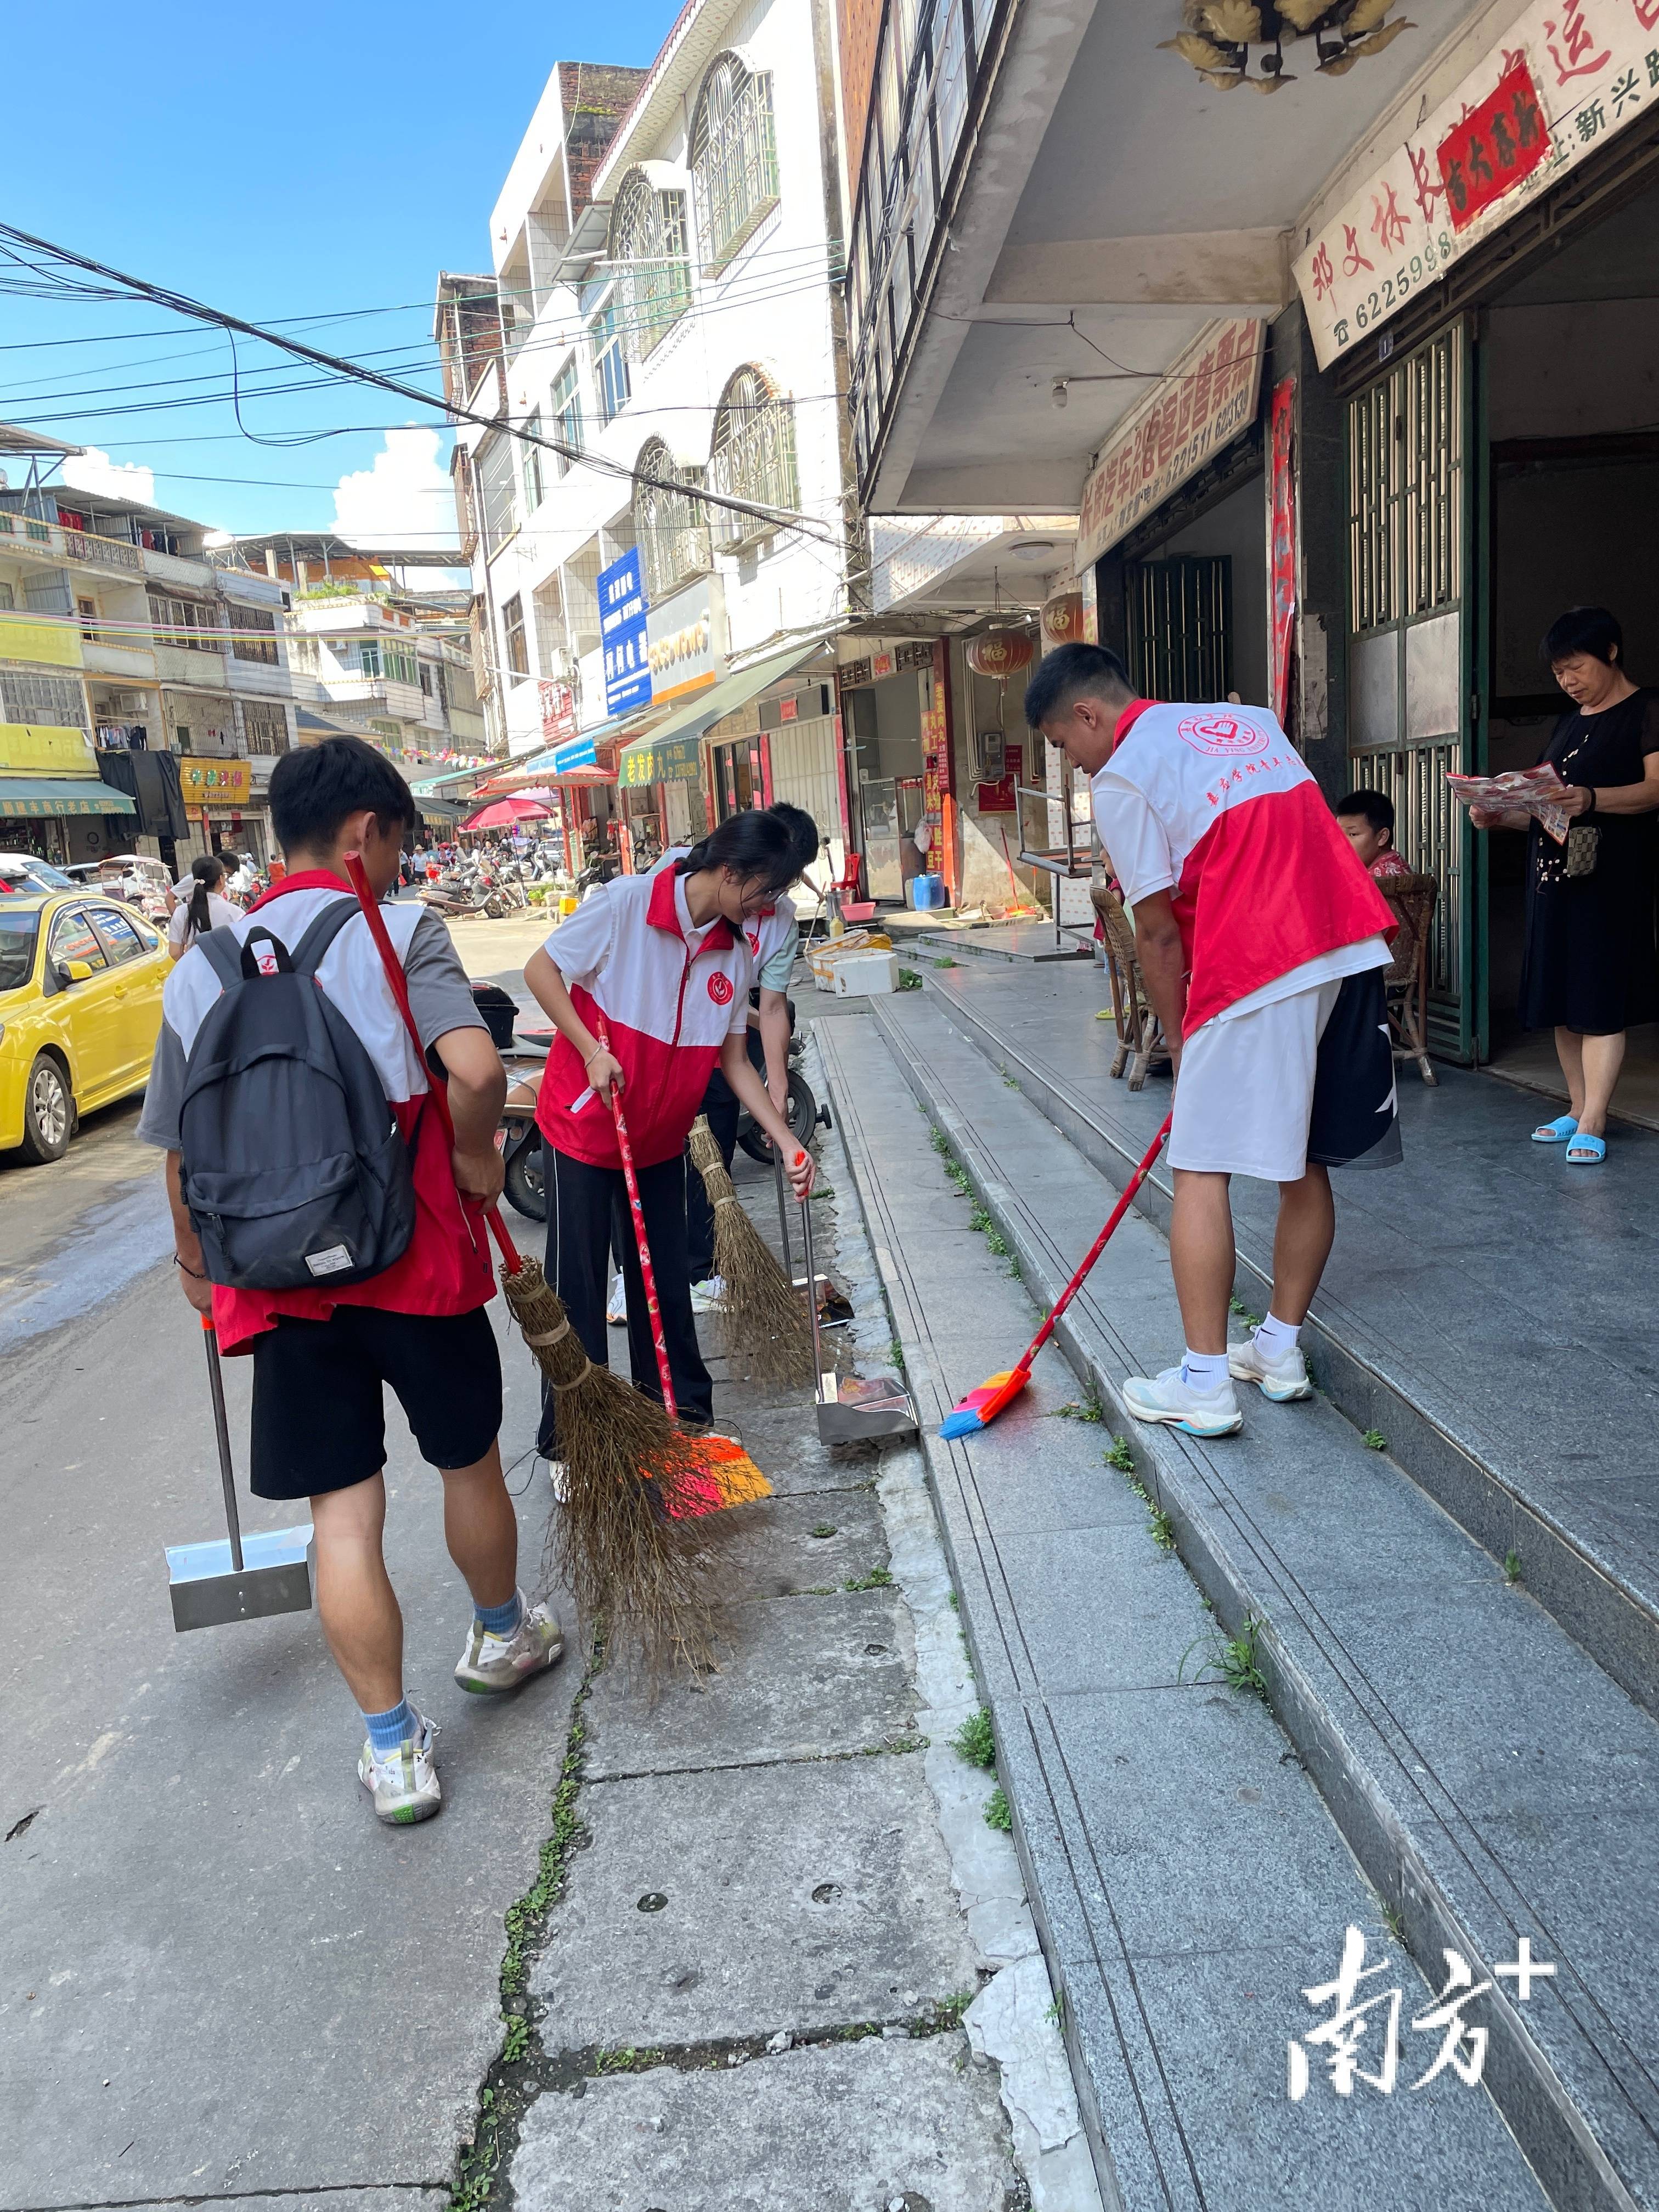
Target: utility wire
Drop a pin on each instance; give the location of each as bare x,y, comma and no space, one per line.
181,303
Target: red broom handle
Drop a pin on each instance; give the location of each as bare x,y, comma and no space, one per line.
646,1269
1096,1248
398,985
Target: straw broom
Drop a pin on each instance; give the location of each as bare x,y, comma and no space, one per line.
634,1482
763,1320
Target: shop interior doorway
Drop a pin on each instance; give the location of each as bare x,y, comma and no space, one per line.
1571,406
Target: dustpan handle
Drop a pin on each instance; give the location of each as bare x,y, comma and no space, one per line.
646,1271
812,1288
783,1215
221,1428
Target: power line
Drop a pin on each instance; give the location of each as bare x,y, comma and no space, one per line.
181,303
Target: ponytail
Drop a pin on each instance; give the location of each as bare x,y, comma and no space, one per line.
209,872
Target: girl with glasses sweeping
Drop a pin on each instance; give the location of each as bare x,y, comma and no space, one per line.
647,986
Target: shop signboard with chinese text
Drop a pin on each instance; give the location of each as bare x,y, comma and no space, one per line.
213,783
1565,75
622,632
46,748
686,636
1281,547
1200,403
558,706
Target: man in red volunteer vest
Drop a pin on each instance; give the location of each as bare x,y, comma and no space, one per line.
321,1356
1262,941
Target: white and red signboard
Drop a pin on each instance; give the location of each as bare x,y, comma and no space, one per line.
1566,76
1199,404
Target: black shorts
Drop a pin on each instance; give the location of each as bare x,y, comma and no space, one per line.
318,1413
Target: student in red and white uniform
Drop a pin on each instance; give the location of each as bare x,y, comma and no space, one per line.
774,935
660,964
322,1357
1263,943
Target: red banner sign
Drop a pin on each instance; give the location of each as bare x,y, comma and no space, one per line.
1281,547
1494,147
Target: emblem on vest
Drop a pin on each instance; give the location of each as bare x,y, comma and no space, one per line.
720,989
1223,735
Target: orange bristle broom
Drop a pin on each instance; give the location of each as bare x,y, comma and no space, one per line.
722,1474
981,1407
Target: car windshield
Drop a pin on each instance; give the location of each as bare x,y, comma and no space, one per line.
18,931
24,868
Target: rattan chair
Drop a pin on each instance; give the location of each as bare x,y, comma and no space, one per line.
1407,980
1140,1034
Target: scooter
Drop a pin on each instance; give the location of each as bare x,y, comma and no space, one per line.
519,1143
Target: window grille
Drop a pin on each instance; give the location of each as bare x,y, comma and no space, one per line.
648,244
670,525
753,457
734,157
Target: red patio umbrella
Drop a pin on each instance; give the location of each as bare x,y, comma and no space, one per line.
503,814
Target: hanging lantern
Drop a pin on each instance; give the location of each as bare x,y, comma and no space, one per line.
1000,653
1062,619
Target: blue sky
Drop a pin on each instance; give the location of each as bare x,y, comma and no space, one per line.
284,164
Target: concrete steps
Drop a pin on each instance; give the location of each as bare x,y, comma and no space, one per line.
1491,1780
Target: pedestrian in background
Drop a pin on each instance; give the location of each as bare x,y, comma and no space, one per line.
1589,970
205,908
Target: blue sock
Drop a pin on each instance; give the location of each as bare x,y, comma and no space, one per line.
387,1730
501,1619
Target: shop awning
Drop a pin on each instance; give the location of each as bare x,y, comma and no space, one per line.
26,797
681,735
439,810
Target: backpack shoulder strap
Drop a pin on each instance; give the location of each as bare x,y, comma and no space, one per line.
308,953
220,949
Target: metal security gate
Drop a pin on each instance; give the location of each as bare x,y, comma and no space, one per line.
1179,627
1408,656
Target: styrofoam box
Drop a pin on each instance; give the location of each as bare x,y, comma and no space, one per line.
866,974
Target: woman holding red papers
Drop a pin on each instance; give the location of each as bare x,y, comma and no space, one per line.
1262,941
1589,970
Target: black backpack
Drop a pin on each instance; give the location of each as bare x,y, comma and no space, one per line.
293,1166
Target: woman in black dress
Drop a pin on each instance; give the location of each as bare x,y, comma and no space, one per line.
1590,968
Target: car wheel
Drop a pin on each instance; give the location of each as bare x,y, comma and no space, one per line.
48,1112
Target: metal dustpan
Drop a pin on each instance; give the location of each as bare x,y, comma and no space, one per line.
230,1578
850,1409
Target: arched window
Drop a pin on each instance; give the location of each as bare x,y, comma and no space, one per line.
753,457
669,523
734,157
647,245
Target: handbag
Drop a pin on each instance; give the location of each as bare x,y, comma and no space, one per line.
1584,849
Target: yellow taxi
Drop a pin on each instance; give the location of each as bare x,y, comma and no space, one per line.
81,981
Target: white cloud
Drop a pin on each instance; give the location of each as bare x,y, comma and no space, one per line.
404,498
94,471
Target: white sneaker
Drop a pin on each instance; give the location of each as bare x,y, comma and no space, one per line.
1166,1398
709,1295
489,1663
404,1782
615,1306
1281,1380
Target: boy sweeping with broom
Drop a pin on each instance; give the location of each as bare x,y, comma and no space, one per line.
647,986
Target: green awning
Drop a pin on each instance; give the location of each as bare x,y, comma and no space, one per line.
661,760
440,809
681,735
28,798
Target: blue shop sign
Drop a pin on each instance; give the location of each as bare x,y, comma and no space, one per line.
622,611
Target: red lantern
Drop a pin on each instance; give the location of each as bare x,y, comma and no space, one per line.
1000,653
1062,619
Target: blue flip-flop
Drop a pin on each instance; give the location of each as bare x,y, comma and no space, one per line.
1587,1151
1556,1132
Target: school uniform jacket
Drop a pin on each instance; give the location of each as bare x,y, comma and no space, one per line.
1214,804
667,1010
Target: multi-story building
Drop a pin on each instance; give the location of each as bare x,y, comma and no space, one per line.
127,657
368,653
656,580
